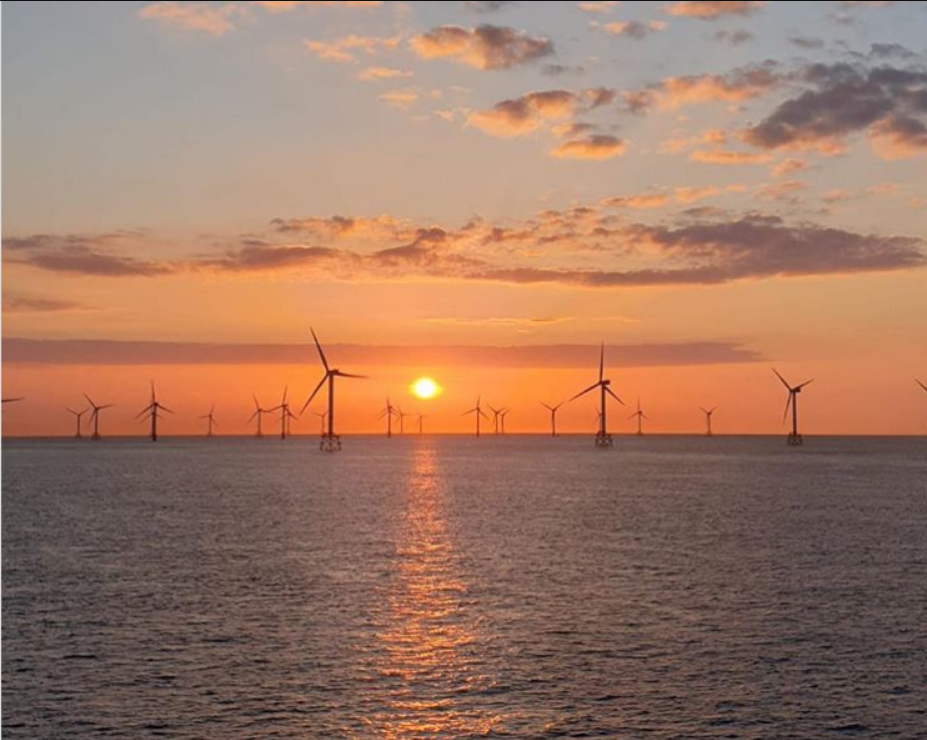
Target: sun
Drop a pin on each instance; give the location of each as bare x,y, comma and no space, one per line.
425,388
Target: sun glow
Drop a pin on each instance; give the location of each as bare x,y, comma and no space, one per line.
425,388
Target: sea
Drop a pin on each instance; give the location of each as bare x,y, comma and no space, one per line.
453,587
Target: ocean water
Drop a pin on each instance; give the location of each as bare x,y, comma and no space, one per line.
450,587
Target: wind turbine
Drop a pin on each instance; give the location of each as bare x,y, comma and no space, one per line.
553,417
285,414
479,413
602,438
708,414
794,438
153,409
77,416
496,413
421,419
640,418
502,415
389,411
401,415
259,413
321,416
210,420
95,416
330,441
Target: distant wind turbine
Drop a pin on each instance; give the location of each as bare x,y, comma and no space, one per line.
95,416
78,415
401,415
285,414
259,412
708,414
421,420
388,411
210,420
502,415
153,409
330,441
794,438
321,416
640,418
496,413
602,438
479,414
553,417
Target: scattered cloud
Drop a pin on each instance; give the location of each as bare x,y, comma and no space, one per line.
31,304
399,98
372,74
734,38
789,166
523,115
100,255
487,6
594,146
709,11
346,48
484,47
214,20
634,29
721,156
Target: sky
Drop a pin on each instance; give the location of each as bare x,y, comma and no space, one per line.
478,192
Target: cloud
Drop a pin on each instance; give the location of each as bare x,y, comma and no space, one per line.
484,47
738,86
662,198
487,6
83,255
31,304
598,7
594,146
840,100
346,48
718,155
634,29
285,6
709,11
807,42
865,3
523,115
371,74
399,98
215,20
734,38
789,166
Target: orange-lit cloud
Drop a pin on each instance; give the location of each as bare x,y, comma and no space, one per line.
523,115
634,29
382,73
346,48
594,146
484,47
728,157
709,10
214,20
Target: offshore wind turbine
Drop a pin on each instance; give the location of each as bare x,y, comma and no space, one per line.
330,441
640,418
259,412
708,414
389,411
502,415
421,420
153,409
95,416
794,439
401,415
603,439
321,416
78,415
479,413
553,417
496,413
285,414
210,420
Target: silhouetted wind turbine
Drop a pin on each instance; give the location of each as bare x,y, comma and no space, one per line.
389,411
421,419
285,414
78,415
322,418
496,413
602,438
259,413
401,415
153,409
330,441
479,413
553,417
794,438
640,417
210,420
502,415
708,414
95,416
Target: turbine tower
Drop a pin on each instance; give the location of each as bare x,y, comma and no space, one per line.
640,418
285,414
502,415
259,412
210,420
708,414
603,439
496,413
330,441
78,415
401,415
421,420
479,413
95,416
153,409
553,417
389,411
794,439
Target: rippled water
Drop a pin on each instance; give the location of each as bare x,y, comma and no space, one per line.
453,587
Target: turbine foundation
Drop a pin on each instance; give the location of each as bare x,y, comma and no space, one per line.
603,441
330,443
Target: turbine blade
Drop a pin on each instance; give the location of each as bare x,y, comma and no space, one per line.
807,382
549,408
254,414
321,383
704,410
319,348
588,390
285,389
165,408
921,384
90,400
143,411
614,395
784,381
351,375
788,403
632,416
602,363
484,414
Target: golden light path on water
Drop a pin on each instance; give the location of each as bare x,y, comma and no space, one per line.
430,643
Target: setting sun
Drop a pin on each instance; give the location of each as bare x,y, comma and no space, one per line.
425,388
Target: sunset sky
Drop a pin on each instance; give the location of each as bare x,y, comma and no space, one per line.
478,192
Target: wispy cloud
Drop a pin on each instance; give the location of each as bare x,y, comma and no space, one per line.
709,11
484,47
594,146
214,20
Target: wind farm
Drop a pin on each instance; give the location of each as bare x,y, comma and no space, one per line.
603,439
